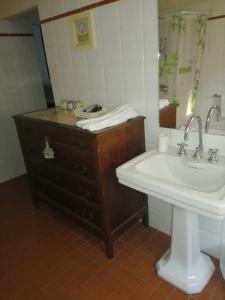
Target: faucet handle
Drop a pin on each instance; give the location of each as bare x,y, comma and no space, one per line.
198,153
213,155
182,150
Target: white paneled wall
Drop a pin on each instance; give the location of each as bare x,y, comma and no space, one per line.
20,91
124,66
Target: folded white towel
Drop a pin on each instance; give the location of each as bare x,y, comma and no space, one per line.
117,116
163,103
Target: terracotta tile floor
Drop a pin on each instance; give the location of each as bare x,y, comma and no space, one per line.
45,255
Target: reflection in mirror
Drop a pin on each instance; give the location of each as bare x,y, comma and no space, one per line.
192,62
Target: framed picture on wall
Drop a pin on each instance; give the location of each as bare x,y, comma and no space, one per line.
83,31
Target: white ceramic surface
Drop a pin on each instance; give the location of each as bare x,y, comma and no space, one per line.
196,185
217,131
183,265
193,187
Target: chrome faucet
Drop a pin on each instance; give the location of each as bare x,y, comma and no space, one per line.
212,109
199,150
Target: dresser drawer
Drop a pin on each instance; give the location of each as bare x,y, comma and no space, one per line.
62,199
31,129
77,139
38,131
83,190
80,163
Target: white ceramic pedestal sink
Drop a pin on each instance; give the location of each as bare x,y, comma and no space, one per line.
193,187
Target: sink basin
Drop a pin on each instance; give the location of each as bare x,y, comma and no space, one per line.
203,177
198,185
193,187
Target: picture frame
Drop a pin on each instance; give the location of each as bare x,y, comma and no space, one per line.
83,31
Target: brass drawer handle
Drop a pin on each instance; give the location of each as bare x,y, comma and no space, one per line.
48,152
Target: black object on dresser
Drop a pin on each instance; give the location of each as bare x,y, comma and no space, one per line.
80,178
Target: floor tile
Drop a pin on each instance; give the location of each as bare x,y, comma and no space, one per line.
47,256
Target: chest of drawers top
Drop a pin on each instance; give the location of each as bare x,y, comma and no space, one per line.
60,126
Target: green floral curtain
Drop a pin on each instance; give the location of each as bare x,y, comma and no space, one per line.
181,45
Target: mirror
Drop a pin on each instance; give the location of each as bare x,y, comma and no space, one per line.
192,62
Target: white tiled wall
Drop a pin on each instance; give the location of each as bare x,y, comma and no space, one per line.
124,66
20,91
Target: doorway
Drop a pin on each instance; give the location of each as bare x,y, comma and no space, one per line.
34,19
25,84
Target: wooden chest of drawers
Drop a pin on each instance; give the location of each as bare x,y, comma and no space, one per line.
167,116
81,178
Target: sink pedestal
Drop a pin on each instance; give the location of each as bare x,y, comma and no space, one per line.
183,265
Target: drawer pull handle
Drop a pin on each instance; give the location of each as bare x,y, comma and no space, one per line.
85,214
48,152
77,144
80,169
84,193
28,130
